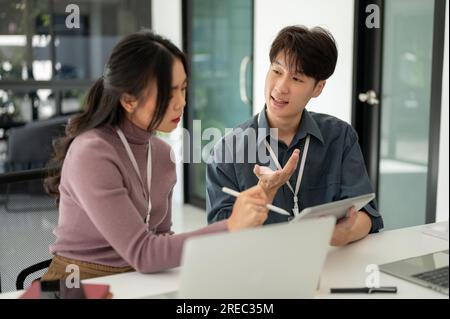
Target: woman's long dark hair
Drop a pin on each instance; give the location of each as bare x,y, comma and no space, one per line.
135,61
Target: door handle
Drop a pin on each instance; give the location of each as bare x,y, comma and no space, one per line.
242,80
370,97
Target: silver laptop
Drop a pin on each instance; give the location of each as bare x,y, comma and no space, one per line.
430,270
275,261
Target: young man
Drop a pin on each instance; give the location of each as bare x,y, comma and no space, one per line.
330,165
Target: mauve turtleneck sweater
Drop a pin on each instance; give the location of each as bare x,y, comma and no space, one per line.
103,205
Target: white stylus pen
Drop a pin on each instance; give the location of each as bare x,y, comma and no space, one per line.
269,206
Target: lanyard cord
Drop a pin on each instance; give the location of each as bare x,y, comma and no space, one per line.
136,168
300,171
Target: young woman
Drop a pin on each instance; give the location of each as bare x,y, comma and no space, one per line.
115,186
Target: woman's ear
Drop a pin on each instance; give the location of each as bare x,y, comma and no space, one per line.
129,102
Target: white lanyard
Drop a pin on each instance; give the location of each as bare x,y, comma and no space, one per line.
136,168
300,171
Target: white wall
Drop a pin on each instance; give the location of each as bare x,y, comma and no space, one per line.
442,207
335,15
167,21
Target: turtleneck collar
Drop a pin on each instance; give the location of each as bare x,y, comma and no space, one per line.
133,133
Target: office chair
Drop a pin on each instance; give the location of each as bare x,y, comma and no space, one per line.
20,281
30,147
25,237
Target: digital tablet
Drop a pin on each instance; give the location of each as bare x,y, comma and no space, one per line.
338,209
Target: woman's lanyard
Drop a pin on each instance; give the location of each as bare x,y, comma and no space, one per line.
300,171
136,168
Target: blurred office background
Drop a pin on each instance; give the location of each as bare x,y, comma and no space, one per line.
390,83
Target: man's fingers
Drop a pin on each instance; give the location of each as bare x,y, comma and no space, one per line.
256,171
263,171
348,221
352,213
271,179
291,165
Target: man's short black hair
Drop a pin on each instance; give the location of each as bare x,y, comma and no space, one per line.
312,52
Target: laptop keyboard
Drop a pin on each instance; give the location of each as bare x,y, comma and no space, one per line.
437,276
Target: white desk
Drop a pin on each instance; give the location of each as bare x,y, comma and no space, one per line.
344,267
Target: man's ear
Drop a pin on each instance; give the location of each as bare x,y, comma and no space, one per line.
318,88
129,102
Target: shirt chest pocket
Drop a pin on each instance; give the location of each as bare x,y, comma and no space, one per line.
322,190
321,181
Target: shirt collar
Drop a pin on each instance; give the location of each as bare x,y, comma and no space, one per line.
307,126
133,133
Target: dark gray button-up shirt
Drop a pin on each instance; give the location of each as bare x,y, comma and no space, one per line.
334,167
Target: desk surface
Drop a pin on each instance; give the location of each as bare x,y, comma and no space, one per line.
344,267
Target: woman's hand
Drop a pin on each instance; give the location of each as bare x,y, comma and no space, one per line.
271,181
249,210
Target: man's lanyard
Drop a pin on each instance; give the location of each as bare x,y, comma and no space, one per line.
300,171
136,168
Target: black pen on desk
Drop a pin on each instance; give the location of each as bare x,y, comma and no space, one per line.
364,290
